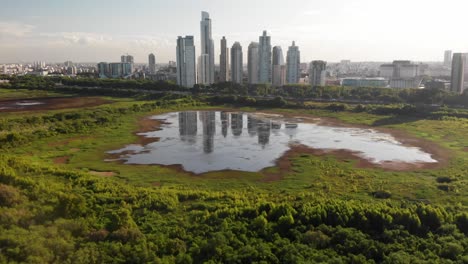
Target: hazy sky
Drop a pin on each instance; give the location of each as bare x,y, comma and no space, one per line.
332,30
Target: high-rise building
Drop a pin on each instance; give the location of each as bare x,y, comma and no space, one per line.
458,72
448,58
399,69
152,63
293,61
317,73
207,69
264,58
236,63
186,75
68,64
126,59
278,61
224,62
253,63
103,70
202,64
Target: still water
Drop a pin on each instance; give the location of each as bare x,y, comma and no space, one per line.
212,141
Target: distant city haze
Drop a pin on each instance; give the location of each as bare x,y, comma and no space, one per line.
358,30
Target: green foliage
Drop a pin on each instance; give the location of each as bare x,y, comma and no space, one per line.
62,214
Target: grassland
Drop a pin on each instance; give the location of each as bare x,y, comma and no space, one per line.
321,176
53,209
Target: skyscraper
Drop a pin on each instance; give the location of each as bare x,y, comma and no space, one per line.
206,69
264,58
236,63
458,72
278,61
126,59
448,58
128,68
186,75
317,73
224,62
103,70
152,63
293,61
253,63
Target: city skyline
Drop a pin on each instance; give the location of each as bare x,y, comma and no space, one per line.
329,31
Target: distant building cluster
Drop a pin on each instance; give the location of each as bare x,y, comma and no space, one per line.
41,68
265,64
122,69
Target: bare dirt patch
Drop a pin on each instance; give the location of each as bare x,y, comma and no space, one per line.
54,103
61,160
147,124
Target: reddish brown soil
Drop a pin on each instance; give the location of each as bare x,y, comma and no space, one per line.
53,103
61,160
148,125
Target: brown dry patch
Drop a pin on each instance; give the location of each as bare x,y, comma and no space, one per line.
145,125
54,103
74,150
156,184
103,173
61,160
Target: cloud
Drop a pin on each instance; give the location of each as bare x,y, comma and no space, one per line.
15,29
75,38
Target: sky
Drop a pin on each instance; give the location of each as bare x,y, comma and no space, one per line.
331,30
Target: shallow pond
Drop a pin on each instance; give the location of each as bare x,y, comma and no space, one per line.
207,141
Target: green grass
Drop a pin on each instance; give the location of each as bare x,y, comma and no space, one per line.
6,94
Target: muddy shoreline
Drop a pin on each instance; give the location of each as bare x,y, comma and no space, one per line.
284,163
49,103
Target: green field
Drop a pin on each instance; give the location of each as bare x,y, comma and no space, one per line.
321,210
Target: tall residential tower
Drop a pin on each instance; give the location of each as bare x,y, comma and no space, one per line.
253,63
448,58
236,63
264,58
206,59
317,73
152,63
458,72
224,62
186,75
293,61
278,76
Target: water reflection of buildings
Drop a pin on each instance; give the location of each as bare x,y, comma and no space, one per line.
188,126
224,123
252,126
236,123
291,129
264,129
208,120
275,126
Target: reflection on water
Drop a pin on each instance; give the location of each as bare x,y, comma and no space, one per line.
202,142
